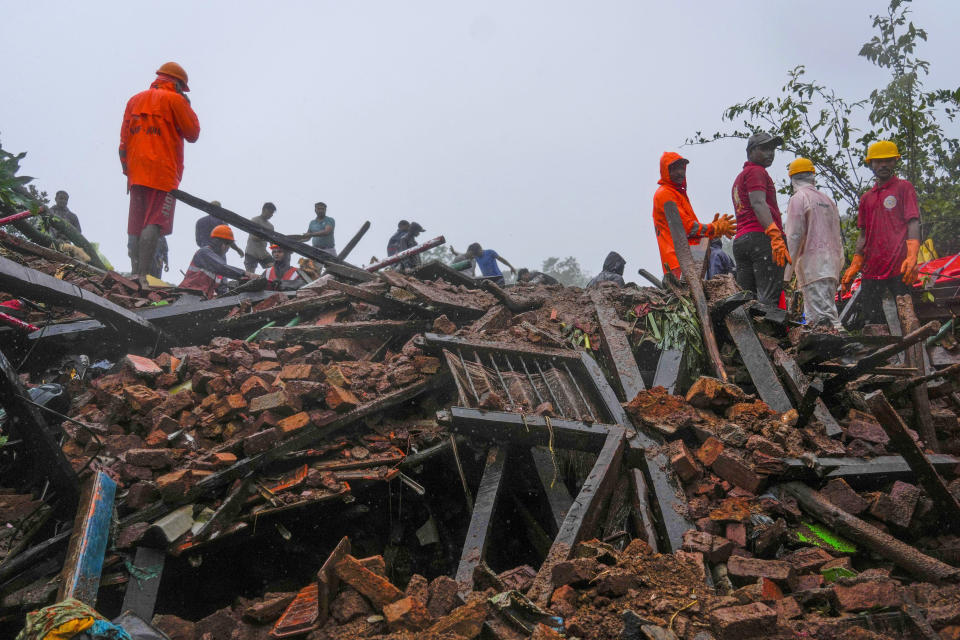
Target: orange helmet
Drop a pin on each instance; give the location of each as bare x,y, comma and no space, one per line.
274,247
176,71
223,232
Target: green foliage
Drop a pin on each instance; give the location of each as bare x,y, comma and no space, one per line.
441,254
566,270
13,194
834,132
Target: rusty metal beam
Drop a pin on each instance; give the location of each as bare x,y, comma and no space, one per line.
481,520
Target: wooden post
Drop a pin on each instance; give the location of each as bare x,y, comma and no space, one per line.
755,358
692,272
915,358
353,241
481,521
616,346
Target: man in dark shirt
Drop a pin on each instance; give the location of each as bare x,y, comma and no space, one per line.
393,244
206,225
61,210
612,271
759,247
889,223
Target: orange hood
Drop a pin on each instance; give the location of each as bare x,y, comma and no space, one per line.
668,158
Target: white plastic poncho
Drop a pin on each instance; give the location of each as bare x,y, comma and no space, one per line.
813,234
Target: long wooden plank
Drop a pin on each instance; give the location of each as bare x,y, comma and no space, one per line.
18,280
377,299
144,584
764,377
692,272
254,229
671,368
80,577
948,509
490,346
354,240
44,458
797,382
528,430
481,520
556,492
581,519
616,346
916,357
322,332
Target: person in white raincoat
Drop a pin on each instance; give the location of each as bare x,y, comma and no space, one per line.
816,244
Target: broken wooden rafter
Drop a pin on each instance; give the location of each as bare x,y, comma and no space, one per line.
436,270
80,577
616,346
442,301
238,221
295,307
508,301
764,378
141,593
916,357
361,329
554,489
692,272
947,506
368,294
671,372
327,581
797,382
481,519
22,245
354,274
527,430
353,241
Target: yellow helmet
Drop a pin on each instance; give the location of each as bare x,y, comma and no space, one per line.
800,165
882,149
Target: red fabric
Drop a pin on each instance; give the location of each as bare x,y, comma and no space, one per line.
155,124
201,281
289,274
668,191
149,206
949,275
753,178
884,213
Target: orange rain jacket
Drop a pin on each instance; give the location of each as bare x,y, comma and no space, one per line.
155,124
678,193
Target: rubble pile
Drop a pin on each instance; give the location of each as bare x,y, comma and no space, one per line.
396,456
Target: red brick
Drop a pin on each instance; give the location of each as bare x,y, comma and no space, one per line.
737,623
543,632
463,621
293,423
349,605
709,451
737,471
260,442
714,548
266,365
443,596
176,483
616,582
142,367
229,406
865,427
141,398
563,602
444,325
807,559
268,609
340,399
223,460
869,594
578,571
297,372
745,570
711,393
253,387
898,507
807,582
406,613
769,591
290,353
737,532
840,494
683,462
375,588
151,458
269,402
140,494
788,609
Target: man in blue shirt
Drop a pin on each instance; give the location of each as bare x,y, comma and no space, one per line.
321,230
487,261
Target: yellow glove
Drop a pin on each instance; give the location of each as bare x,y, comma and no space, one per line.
909,266
851,273
777,246
725,225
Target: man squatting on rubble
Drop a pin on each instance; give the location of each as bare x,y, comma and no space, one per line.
889,223
526,276
816,244
673,188
281,275
487,259
612,271
255,253
759,248
155,124
205,225
209,265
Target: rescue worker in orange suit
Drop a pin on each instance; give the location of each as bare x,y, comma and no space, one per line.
209,265
155,124
673,187
889,223
759,247
280,274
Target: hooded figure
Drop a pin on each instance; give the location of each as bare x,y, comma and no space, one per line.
673,187
612,271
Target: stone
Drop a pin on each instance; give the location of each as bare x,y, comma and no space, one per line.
578,571
743,570
406,613
714,548
838,492
444,325
349,605
869,594
737,623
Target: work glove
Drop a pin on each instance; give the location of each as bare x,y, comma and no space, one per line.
721,226
909,266
851,273
777,245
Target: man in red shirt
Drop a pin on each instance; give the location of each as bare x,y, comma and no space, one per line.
155,124
889,223
759,247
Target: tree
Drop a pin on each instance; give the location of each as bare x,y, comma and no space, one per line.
833,131
566,270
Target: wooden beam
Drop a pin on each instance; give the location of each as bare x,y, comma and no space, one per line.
21,245
323,332
238,221
497,348
80,577
582,518
327,580
797,383
948,509
45,458
642,509
143,586
916,357
527,430
671,370
436,270
353,241
481,520
380,300
18,280
556,492
764,377
884,545
616,346
350,273
692,272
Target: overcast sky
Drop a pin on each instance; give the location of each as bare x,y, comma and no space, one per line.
532,127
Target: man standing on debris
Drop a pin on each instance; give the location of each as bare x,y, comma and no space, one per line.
612,271
889,223
673,188
408,240
280,274
321,230
759,247
393,244
155,124
209,265
205,225
487,261
63,212
816,244
255,253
